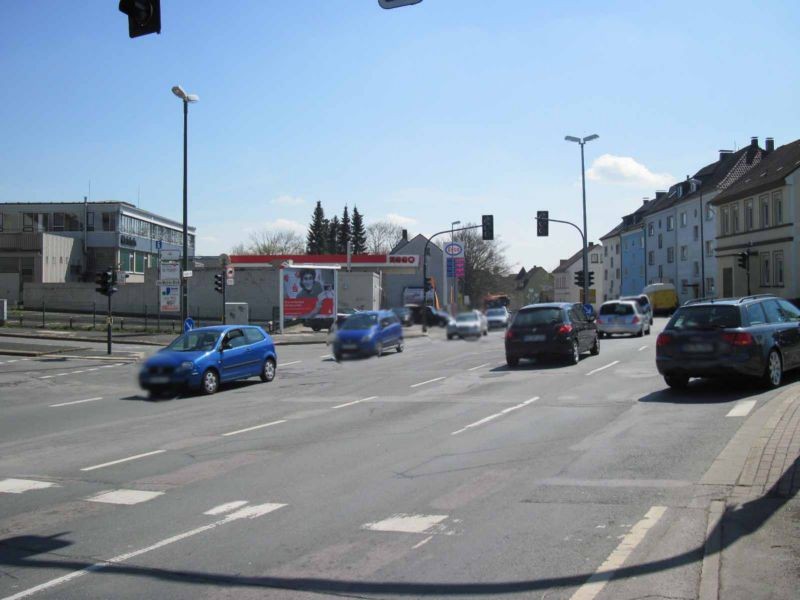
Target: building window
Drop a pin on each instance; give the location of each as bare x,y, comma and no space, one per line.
764,203
684,220
58,221
710,248
709,286
735,218
641,242
617,275
595,258
660,272
777,208
684,252
749,217
651,258
89,221
109,221
670,223
660,241
612,262
616,249
605,250
696,269
671,254
650,229
696,233
605,275
709,212
765,269
725,226
777,261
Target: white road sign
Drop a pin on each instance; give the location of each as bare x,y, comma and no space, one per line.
229,276
169,282
170,271
170,255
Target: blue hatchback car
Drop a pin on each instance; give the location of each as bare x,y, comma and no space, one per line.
368,333
205,357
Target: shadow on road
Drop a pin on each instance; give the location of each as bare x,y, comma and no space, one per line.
710,391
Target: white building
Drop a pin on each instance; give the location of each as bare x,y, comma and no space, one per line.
564,288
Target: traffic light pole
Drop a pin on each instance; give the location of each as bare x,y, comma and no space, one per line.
108,326
585,256
224,288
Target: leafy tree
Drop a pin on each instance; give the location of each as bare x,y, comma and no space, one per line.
316,239
382,236
345,232
485,266
359,236
333,236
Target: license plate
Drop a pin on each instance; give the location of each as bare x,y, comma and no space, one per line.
159,379
349,346
534,338
698,347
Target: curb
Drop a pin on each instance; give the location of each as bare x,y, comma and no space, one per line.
712,553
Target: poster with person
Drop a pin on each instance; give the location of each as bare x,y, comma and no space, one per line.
308,292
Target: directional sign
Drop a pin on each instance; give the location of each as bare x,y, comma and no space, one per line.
188,324
170,255
159,244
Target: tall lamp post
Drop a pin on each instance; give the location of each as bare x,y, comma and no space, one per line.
187,99
455,277
699,185
582,142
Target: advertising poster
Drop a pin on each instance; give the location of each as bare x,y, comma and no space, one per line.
308,292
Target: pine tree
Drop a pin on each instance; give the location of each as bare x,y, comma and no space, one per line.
345,231
326,227
316,238
359,233
333,236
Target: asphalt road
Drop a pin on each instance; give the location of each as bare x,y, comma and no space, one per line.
433,473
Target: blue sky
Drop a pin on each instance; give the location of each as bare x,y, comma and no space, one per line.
444,110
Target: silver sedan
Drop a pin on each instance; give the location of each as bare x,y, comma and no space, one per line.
622,317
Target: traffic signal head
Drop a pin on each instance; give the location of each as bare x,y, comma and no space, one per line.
591,278
743,259
579,278
219,282
144,16
105,282
542,223
487,227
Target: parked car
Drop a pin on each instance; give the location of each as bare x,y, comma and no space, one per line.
552,329
404,314
468,324
368,333
644,305
756,336
622,316
663,297
497,317
319,323
206,357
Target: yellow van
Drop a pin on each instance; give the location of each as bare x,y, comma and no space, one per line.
663,297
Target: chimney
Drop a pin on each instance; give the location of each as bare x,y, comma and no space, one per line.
754,142
770,143
660,194
405,235
724,153
645,201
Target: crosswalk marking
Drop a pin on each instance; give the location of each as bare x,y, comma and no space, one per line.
19,486
742,408
402,523
128,497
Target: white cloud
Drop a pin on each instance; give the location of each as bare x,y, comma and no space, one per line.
286,200
286,225
627,171
400,219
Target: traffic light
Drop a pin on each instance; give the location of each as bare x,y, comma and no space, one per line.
144,16
542,223
219,282
397,3
487,226
428,284
105,282
579,278
744,259
591,278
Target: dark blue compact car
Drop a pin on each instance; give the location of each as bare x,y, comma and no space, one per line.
205,357
368,332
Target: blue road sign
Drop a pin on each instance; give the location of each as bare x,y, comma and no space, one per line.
188,324
159,244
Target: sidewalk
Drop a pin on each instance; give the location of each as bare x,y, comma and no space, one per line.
759,532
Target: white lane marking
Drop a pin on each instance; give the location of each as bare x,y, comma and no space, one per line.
19,486
47,377
286,364
355,402
75,402
128,497
225,508
406,523
422,543
77,372
478,367
238,431
11,361
251,513
617,558
327,356
642,348
122,460
427,382
742,408
494,416
92,369
608,366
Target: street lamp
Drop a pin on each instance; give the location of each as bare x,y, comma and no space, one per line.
582,142
455,277
699,184
187,99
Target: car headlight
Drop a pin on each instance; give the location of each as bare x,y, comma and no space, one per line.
366,338
187,365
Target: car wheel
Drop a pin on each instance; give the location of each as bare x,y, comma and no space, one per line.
210,382
512,361
378,349
595,347
337,356
640,333
648,330
268,370
575,356
677,382
773,374
400,346
449,337
316,328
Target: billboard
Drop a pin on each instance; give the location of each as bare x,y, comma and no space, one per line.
308,292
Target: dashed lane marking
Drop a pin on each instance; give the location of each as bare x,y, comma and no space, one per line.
82,371
608,366
123,460
327,356
252,512
742,408
595,584
479,367
642,348
75,402
402,523
422,543
19,486
128,497
355,402
421,383
496,415
238,431
286,364
225,508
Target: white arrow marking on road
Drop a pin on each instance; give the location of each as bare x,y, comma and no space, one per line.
609,365
427,382
75,402
252,512
238,431
122,460
494,416
355,402
742,408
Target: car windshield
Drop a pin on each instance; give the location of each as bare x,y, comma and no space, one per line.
705,317
616,308
360,321
194,341
538,316
496,312
466,317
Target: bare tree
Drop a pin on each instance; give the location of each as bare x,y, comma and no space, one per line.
280,241
485,266
382,236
